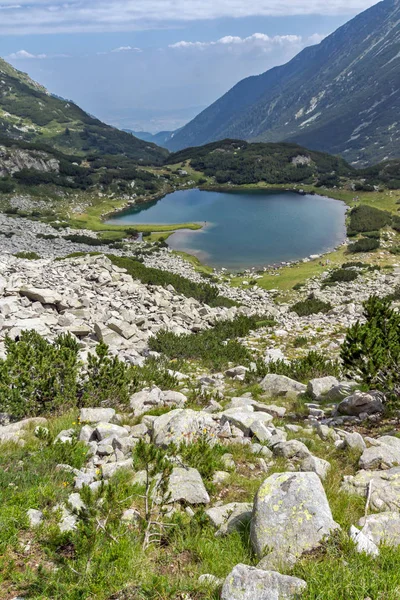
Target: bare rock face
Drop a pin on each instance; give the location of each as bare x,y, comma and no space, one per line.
291,516
249,583
13,160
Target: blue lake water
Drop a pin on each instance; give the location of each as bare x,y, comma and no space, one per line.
246,229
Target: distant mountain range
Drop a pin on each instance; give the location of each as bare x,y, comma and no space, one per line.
341,96
161,139
29,113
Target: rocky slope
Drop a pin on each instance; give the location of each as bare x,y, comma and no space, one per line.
341,96
279,460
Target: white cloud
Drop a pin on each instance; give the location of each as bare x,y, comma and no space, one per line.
57,16
24,55
257,41
126,49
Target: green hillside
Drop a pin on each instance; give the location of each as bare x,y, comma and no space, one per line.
28,112
238,162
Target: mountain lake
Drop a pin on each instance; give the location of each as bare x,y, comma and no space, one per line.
243,229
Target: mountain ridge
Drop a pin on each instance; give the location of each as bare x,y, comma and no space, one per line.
324,98
30,113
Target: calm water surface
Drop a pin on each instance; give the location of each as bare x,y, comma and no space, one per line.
246,229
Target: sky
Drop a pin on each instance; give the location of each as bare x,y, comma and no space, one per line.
152,65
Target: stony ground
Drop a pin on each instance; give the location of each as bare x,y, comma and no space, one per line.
258,488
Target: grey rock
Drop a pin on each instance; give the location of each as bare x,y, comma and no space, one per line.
107,430
218,515
75,501
238,518
35,517
249,583
383,528
383,456
319,387
220,477
96,415
244,419
210,580
110,469
44,296
313,464
354,441
186,485
183,425
339,392
363,543
360,402
131,515
291,516
382,486
281,386
291,449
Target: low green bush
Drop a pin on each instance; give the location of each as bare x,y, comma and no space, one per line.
341,275
311,306
358,264
46,236
302,369
368,218
215,348
28,255
300,341
203,292
38,377
363,245
89,241
376,235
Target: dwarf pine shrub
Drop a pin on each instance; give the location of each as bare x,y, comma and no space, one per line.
311,306
341,276
363,245
215,348
371,350
108,380
38,377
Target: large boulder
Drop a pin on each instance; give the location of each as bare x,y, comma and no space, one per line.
318,388
249,583
183,425
280,385
359,403
384,455
95,415
186,485
383,488
291,516
244,417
